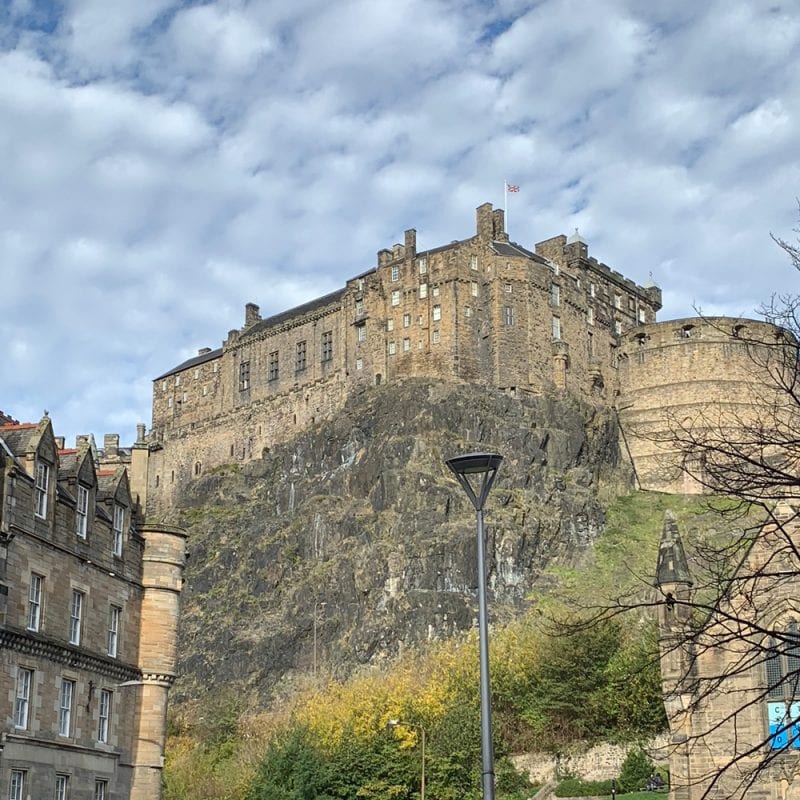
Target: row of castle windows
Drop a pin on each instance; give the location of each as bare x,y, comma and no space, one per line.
35,616
422,267
17,787
25,695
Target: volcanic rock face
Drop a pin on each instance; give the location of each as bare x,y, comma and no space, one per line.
359,522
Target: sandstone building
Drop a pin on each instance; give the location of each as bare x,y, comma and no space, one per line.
88,622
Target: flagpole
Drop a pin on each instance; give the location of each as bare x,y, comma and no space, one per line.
505,201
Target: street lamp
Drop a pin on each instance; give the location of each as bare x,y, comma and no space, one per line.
476,473
393,723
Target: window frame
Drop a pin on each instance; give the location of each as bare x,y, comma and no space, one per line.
16,784
301,356
61,791
112,639
395,273
423,291
244,375
100,787
395,297
362,333
118,529
22,700
82,512
35,593
327,346
41,488
104,707
66,697
556,328
76,616
436,313
508,316
273,365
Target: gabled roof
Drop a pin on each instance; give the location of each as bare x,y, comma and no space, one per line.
192,362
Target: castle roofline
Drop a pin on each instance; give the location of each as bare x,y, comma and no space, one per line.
192,362
311,305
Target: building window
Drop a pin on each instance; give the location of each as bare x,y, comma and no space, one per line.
104,716
75,617
100,790
177,380
631,304
300,356
359,308
205,391
359,363
395,272
592,290
436,337
65,706
423,291
360,284
362,333
473,287
556,328
22,701
196,374
642,316
395,297
555,294
35,602
617,300
392,348
423,266
435,291
389,325
508,313
82,512
272,366
617,327
406,344
163,386
467,311
507,288
119,528
244,376
169,402
406,320
62,782
41,488
114,614
473,263
783,691
16,786
327,346
437,313
590,316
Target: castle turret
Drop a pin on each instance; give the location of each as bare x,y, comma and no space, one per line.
163,563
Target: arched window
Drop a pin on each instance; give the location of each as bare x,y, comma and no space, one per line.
783,688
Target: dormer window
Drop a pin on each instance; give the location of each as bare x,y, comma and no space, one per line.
42,488
82,512
119,523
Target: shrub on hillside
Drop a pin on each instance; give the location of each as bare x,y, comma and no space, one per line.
574,787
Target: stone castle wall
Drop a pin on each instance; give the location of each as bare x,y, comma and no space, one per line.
481,310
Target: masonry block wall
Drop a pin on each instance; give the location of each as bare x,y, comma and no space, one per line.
481,309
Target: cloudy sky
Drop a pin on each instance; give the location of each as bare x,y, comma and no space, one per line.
163,163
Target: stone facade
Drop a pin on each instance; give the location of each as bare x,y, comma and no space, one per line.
482,309
88,622
730,686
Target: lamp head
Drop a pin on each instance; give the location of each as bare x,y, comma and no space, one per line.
478,467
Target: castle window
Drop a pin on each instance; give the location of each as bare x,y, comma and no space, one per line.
112,641
216,367
360,284
119,528
555,294
687,331
359,308
406,320
197,467
642,316
104,716
473,287
508,316
783,688
272,366
437,313
641,339
395,297
435,291
631,304
556,328
392,348
592,290
423,266
196,374
300,356
617,327
435,337
185,397
16,787
100,790
395,272
467,311
169,402
423,291
22,701
359,363
177,380
507,288
163,386
41,488
617,300
362,333
62,784
35,602
244,376
327,346
390,325
65,696
158,480
75,616
473,263
205,391
406,344
590,316
82,512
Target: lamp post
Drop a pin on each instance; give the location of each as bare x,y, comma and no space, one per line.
316,606
394,723
476,473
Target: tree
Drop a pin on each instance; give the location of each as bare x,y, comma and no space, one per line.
730,612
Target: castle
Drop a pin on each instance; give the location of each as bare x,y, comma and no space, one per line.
88,620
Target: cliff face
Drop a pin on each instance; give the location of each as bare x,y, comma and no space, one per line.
358,522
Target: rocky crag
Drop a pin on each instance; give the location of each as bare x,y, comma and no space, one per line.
358,522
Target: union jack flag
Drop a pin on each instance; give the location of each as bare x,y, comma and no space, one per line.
511,188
